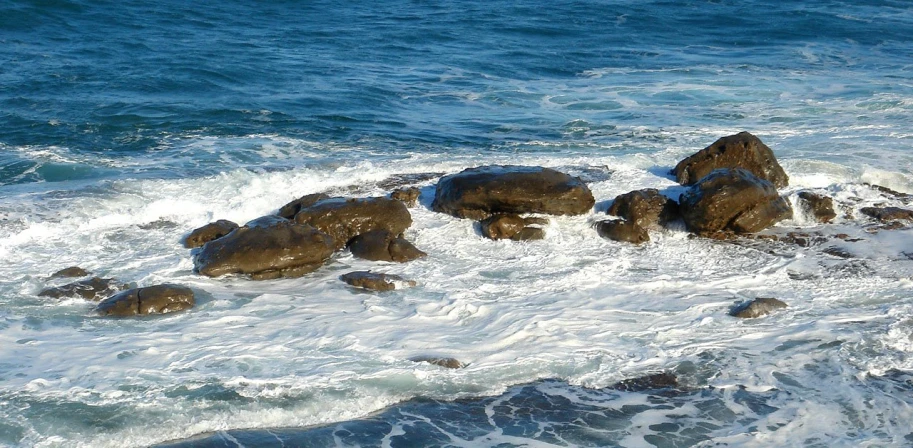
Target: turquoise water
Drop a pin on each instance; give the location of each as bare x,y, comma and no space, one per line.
123,125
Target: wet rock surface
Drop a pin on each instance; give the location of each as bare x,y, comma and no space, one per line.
285,249
381,245
758,307
95,288
212,231
514,227
70,272
408,196
375,281
664,380
477,193
288,211
158,299
450,363
621,230
646,208
821,207
888,214
742,150
732,200
343,219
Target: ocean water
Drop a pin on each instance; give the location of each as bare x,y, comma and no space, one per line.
124,125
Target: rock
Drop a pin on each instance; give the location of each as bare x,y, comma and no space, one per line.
266,221
758,307
381,245
742,150
344,219
889,192
375,281
159,299
70,272
732,200
288,211
450,363
887,214
529,234
402,180
655,381
646,208
478,193
821,207
408,196
502,226
285,249
621,230
94,289
212,231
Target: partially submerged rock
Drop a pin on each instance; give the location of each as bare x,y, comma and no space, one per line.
288,211
408,196
94,289
450,363
758,307
477,193
821,207
742,150
70,272
732,200
375,281
647,208
655,381
212,231
621,230
381,245
344,219
511,226
285,249
888,214
158,299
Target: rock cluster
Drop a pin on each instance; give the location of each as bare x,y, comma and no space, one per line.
639,211
732,200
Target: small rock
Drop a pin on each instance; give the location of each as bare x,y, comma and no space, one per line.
375,281
621,230
502,226
93,289
212,231
742,150
408,196
758,307
821,207
646,208
663,380
158,299
288,211
887,214
838,252
381,245
450,363
529,234
70,272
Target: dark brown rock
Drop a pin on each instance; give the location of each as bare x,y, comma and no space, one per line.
450,363
529,234
732,200
408,196
742,150
821,207
646,208
511,226
94,289
889,192
655,381
158,299
374,281
285,249
70,272
212,231
477,193
381,245
621,230
344,219
887,214
288,211
758,307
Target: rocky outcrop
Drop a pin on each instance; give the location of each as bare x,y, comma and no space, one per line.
655,381
821,207
381,245
646,208
159,299
514,227
285,249
888,214
374,281
344,219
758,307
93,289
288,211
732,200
408,196
212,231
742,150
477,193
621,230
70,272
450,363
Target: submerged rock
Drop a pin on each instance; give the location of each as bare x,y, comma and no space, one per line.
212,231
821,207
70,272
408,196
655,381
742,150
477,193
285,249
94,289
732,200
646,208
381,245
888,214
159,299
758,307
375,281
511,226
450,363
288,211
344,219
621,230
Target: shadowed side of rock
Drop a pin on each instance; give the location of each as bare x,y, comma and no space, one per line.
343,219
742,150
158,299
732,200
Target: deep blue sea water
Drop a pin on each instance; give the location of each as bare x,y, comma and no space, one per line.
123,125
